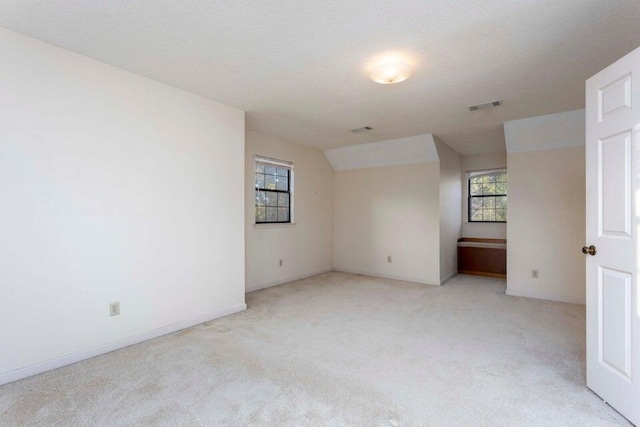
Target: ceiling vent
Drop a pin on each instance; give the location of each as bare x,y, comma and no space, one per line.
364,129
486,105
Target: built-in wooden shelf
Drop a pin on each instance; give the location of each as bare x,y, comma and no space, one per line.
482,257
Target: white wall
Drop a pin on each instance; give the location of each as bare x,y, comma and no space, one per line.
392,210
114,188
450,213
546,207
306,247
474,163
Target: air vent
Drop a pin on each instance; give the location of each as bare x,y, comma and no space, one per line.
486,105
364,129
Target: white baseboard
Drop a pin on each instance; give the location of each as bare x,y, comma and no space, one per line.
385,276
535,295
252,288
58,362
449,277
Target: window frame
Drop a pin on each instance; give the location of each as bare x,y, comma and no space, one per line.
282,164
472,174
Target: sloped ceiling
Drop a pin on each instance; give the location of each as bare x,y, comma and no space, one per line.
403,151
549,132
299,68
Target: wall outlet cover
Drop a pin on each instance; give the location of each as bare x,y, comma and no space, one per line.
114,308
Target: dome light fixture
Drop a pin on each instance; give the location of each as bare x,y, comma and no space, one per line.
391,73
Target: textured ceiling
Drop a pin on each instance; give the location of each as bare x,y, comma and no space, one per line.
299,67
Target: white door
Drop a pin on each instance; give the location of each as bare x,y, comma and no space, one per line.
613,182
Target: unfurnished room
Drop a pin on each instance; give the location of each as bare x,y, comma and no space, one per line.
305,213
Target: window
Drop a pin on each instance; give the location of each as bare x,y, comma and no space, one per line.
274,182
488,196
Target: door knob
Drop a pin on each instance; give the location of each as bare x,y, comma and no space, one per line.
591,250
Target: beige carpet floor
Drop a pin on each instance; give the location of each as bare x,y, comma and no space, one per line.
339,350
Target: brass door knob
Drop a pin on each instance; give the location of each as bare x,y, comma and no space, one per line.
591,250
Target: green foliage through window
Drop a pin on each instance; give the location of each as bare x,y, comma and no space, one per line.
488,196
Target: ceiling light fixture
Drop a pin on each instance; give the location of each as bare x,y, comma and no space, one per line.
390,73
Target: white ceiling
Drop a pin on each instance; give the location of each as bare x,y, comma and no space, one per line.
299,67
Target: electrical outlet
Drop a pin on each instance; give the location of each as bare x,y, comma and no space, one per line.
388,258
114,308
280,263
534,273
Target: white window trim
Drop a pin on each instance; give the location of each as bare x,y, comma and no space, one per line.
474,173
480,172
283,164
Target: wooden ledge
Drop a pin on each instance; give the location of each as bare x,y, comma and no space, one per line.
482,240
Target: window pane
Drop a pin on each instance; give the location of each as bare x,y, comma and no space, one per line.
282,172
488,209
501,188
283,183
476,189
488,189
261,197
476,203
260,214
488,215
271,199
283,199
270,182
270,170
489,203
259,168
283,214
259,180
272,214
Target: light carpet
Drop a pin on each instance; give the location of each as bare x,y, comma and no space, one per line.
339,350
